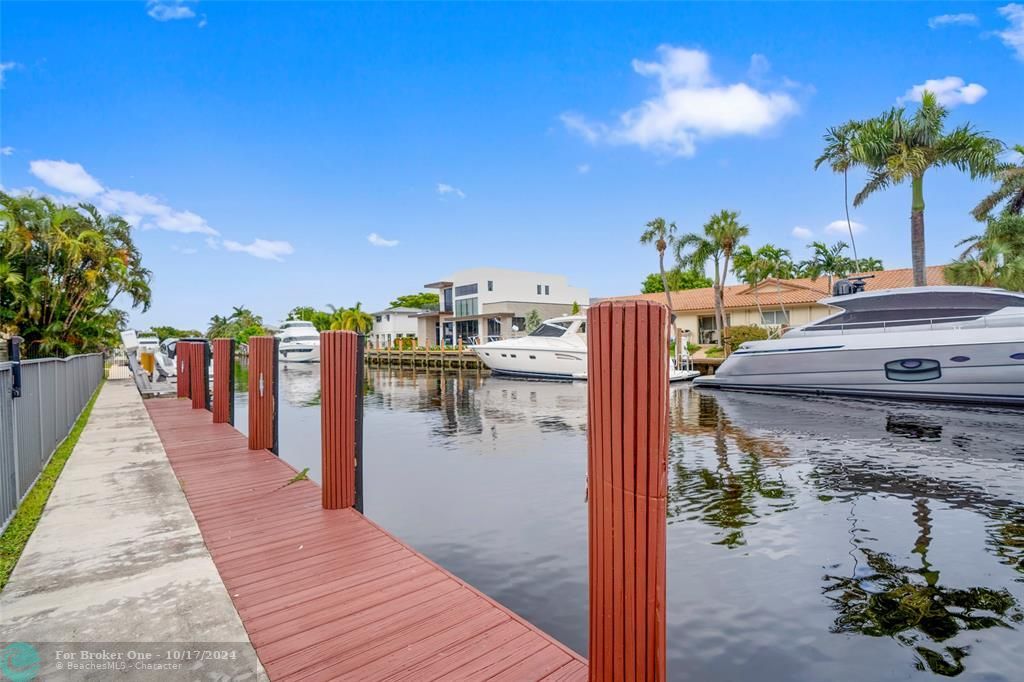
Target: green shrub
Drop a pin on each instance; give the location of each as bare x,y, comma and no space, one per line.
746,332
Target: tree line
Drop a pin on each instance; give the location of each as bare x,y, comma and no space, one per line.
63,271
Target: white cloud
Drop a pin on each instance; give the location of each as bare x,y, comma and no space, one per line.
261,248
184,250
964,19
141,210
840,227
802,232
583,168
6,151
67,177
377,240
202,22
212,243
444,189
169,10
1013,35
691,106
4,68
949,91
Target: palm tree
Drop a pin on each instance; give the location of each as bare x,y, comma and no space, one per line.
995,258
838,153
1011,175
868,264
750,269
662,236
722,234
701,250
353,319
778,264
827,260
896,148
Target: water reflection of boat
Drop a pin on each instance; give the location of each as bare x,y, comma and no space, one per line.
963,344
300,384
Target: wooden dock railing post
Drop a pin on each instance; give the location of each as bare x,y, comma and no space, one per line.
263,389
181,354
199,375
224,381
341,419
627,465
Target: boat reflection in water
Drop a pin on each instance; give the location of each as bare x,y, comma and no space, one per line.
897,468
809,538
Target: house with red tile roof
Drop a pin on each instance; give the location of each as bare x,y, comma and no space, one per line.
772,302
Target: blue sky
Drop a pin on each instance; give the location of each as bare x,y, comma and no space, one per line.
259,146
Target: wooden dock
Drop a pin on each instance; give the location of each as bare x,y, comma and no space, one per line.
446,358
328,594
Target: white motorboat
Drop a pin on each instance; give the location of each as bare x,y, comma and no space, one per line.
299,342
936,343
557,349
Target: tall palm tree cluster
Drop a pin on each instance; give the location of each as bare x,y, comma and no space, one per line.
719,245
898,147
62,269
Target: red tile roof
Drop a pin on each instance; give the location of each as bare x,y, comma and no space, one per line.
788,291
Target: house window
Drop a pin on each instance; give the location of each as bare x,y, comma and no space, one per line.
377,318
465,290
519,323
538,290
388,316
775,317
465,307
490,285
547,290
447,307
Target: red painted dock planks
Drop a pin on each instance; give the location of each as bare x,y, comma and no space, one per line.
327,594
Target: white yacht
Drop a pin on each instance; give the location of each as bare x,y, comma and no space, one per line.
300,342
557,349
937,343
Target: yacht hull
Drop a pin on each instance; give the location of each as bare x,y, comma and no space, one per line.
985,372
295,352
534,363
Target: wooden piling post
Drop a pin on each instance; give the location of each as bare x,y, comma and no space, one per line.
627,464
263,393
199,382
182,354
338,397
224,381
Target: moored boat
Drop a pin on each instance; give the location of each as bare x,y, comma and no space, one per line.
950,343
557,349
299,342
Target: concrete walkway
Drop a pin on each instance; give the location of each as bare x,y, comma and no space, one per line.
117,555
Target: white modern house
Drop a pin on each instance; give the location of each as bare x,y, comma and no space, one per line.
392,324
493,303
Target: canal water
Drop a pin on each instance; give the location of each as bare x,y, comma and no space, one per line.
808,538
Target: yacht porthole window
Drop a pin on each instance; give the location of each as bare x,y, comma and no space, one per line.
1017,356
959,358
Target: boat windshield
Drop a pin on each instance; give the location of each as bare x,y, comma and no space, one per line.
911,308
303,337
553,329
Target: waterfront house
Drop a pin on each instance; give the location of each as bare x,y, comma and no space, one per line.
783,302
392,324
493,303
